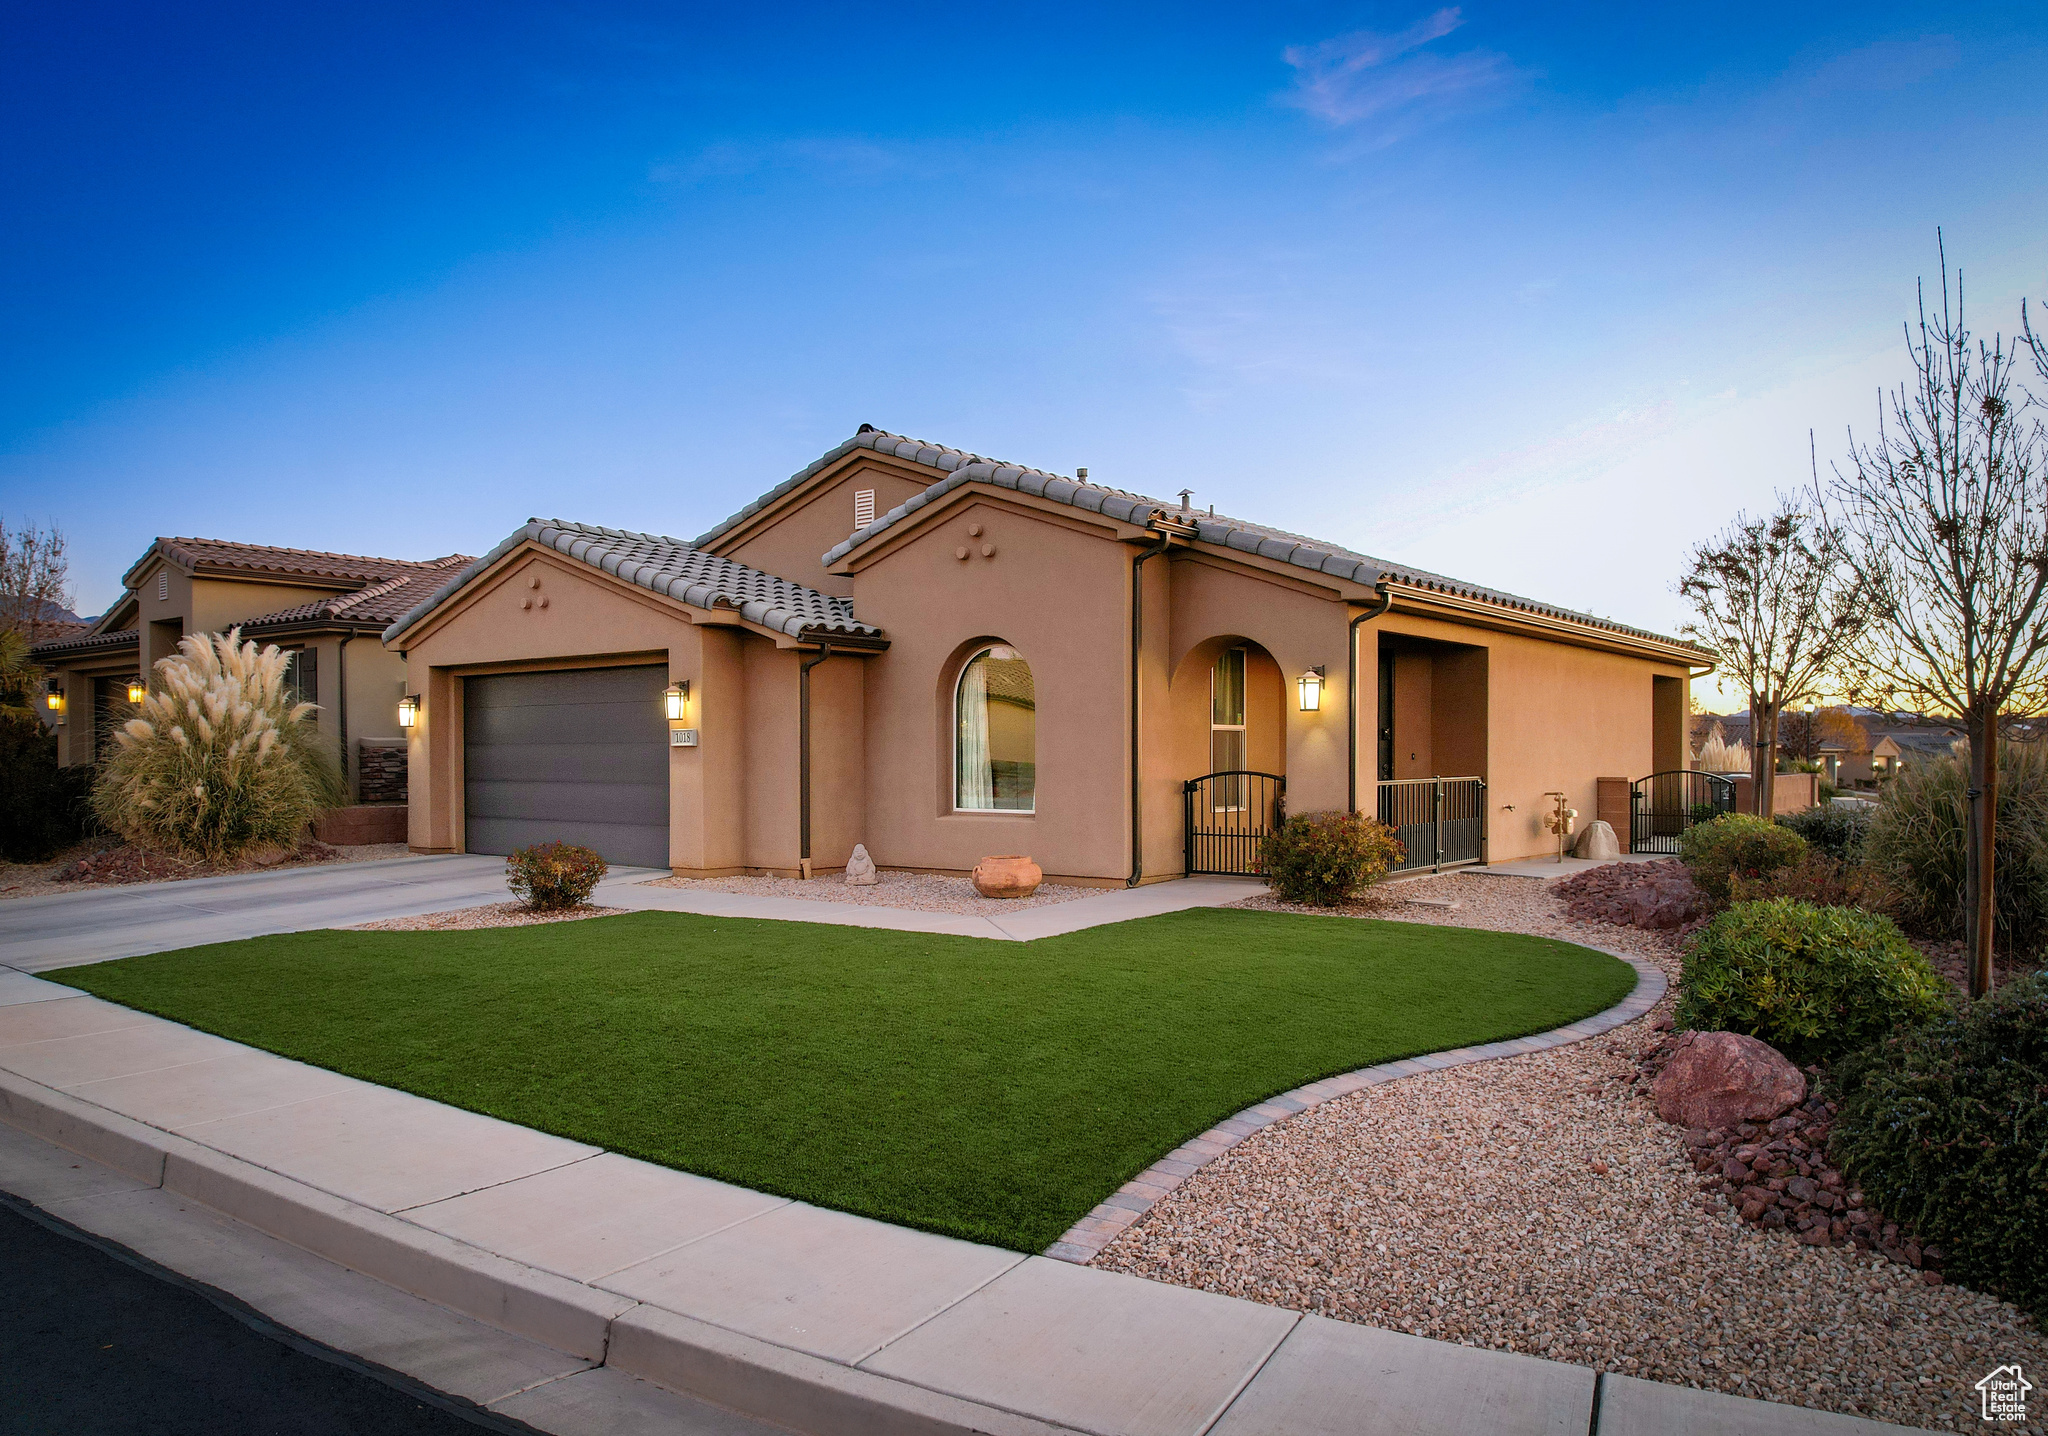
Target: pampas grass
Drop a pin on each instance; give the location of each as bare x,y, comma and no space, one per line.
217,760
1718,755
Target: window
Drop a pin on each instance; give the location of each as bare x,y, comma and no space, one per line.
995,727
301,682
1226,728
863,509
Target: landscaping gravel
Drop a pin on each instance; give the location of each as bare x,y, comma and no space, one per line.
503,914
1538,1204
922,892
127,866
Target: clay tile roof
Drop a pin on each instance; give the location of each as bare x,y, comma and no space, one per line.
81,643
1240,534
195,554
675,569
377,604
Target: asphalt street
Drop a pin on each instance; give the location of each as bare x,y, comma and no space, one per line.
95,1345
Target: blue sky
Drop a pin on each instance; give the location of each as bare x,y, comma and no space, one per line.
1531,295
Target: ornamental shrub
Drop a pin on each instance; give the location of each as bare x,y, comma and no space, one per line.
550,876
1736,843
43,808
1836,829
218,759
1323,858
1917,840
1945,1125
1814,982
1817,879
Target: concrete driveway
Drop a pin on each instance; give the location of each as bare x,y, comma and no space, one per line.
98,923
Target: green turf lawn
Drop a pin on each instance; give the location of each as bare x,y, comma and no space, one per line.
989,1090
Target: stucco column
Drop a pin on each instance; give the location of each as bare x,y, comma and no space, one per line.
707,816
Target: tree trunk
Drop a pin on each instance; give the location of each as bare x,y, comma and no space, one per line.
1763,759
1980,912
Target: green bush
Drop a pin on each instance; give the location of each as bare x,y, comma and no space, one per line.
43,808
550,876
1323,858
1837,829
218,759
1736,844
1918,836
1945,1125
1813,982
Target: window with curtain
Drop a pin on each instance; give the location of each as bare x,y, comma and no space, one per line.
995,724
301,680
1226,728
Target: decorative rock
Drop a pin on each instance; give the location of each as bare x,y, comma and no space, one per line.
1597,841
1716,1079
860,868
1011,876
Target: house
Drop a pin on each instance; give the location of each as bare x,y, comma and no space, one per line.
945,657
326,609
1858,748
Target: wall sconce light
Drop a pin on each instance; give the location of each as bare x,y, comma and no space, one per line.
674,698
1311,684
409,710
55,699
137,690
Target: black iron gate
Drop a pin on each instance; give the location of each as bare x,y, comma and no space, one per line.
1226,816
1664,805
1441,822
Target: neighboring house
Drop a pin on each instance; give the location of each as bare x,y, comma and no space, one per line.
946,658
326,608
1862,751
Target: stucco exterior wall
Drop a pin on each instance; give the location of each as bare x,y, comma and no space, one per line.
1057,592
1557,716
790,546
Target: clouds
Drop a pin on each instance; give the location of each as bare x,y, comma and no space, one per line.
1394,83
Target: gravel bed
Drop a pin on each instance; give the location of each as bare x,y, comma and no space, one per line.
1533,1204
503,914
20,880
922,892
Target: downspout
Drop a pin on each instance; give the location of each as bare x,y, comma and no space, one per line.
1137,637
1386,603
341,717
803,704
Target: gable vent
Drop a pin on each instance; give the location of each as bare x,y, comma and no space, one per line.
863,509
163,584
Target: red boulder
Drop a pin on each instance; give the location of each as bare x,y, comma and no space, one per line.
1716,1079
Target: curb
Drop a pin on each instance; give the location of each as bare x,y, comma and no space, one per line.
1084,1241
742,1373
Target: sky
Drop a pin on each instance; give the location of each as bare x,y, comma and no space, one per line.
1538,297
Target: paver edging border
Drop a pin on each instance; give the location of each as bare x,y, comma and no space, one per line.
1117,1212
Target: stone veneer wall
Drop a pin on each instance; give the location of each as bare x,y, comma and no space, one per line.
380,771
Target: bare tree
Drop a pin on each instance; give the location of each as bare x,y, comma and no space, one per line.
35,578
1946,514
1772,598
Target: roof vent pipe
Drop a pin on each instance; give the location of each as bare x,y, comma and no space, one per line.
1081,474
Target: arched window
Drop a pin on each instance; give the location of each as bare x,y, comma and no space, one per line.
995,734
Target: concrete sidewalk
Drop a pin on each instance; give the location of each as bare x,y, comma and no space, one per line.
1025,925
776,1309
98,923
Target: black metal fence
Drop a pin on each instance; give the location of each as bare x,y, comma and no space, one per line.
1441,822
1226,816
1664,805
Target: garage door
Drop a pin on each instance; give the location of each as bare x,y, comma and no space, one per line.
574,757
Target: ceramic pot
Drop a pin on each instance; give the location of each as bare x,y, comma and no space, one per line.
1007,877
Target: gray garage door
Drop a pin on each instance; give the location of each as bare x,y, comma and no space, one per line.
573,757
